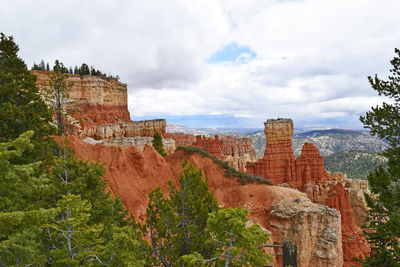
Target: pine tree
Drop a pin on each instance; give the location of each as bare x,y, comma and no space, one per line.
189,228
237,244
383,216
21,105
22,217
158,144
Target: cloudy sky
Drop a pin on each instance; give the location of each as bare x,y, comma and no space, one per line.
221,63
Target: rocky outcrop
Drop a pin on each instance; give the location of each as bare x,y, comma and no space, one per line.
94,101
236,151
99,100
357,189
315,229
99,108
130,129
181,139
278,163
139,141
307,174
131,174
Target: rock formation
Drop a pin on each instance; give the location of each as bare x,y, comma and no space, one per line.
100,108
100,100
316,229
356,189
278,163
139,141
307,174
236,151
131,174
181,139
130,129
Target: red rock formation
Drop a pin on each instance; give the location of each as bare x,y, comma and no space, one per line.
308,175
181,139
238,151
130,129
99,108
101,101
278,163
214,146
131,174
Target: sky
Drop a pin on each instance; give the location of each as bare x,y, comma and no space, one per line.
221,63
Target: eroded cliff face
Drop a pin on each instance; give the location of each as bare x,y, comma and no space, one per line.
236,151
307,174
316,229
132,173
130,129
99,108
100,101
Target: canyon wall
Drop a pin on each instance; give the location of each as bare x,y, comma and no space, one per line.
100,100
307,174
99,108
131,174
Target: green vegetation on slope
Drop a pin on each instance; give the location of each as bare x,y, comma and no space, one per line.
243,177
187,228
356,164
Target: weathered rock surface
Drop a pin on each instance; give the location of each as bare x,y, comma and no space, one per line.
181,139
236,151
356,189
278,163
131,174
99,108
308,175
316,230
130,129
139,141
100,101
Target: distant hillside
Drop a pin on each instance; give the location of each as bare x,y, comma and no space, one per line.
356,164
329,141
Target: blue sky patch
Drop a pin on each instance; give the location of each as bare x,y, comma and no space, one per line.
232,53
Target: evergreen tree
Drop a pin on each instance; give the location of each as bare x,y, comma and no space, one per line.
382,223
21,105
188,227
158,144
238,245
22,217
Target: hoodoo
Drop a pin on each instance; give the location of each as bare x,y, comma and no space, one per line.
307,174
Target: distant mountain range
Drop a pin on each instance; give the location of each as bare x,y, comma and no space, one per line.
352,151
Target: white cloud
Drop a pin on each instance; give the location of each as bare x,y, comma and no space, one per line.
313,56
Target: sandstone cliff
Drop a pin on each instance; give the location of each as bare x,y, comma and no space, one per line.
131,174
100,101
100,108
130,129
307,174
